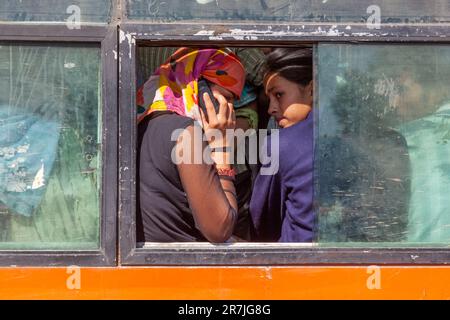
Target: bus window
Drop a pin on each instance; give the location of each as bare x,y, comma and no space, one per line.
382,160
49,147
344,11
381,143
250,114
82,11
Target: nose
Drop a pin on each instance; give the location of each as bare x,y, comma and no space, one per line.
272,108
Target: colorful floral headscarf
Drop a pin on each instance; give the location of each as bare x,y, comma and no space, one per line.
174,86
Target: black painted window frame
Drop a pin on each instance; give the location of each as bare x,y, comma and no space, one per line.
118,42
133,34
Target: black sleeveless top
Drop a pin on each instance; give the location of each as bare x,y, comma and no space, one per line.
163,209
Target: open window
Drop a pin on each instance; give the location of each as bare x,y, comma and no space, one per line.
371,104
380,135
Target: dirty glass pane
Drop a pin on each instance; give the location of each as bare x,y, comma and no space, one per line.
49,146
383,146
345,11
72,11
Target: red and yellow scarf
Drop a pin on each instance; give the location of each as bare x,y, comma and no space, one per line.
174,86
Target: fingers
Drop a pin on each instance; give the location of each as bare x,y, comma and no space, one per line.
212,117
223,107
225,118
217,120
205,124
231,116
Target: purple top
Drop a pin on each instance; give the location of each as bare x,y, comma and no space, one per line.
282,201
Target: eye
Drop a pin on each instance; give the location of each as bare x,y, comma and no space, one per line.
278,95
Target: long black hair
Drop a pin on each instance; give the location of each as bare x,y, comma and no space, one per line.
293,64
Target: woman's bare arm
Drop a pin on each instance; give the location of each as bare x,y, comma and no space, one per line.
212,199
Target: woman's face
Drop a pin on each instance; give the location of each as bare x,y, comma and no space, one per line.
290,102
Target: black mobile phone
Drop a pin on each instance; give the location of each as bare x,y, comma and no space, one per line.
203,87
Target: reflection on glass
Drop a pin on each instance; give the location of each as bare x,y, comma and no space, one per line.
49,147
391,11
55,10
383,147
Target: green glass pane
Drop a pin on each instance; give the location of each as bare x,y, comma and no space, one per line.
383,144
50,147
55,10
345,11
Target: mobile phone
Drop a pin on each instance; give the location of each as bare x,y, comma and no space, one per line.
203,87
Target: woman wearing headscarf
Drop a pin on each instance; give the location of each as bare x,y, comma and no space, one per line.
187,200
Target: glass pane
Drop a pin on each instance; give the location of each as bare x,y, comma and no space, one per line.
55,10
345,11
383,146
49,147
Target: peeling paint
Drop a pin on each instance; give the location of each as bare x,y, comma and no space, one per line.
129,37
363,34
253,33
121,36
240,34
333,31
115,54
205,33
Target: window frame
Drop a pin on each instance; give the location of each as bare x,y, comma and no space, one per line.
106,38
251,254
118,199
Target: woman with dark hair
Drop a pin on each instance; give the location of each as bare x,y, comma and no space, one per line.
180,198
282,201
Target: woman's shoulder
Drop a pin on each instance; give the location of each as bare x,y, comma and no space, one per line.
292,138
159,131
164,122
295,145
168,119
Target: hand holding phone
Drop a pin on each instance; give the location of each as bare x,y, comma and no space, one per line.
216,113
203,87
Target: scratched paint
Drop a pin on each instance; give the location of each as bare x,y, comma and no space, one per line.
130,40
